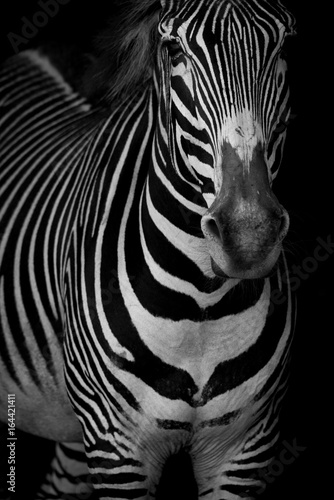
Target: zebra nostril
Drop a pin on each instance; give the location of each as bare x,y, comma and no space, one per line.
210,228
213,228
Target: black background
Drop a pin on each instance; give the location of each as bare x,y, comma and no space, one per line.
305,187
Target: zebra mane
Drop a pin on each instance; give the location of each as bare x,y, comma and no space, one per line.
124,52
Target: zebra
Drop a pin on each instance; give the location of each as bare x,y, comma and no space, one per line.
142,246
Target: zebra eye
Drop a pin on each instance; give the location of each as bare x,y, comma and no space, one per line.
284,54
287,47
174,50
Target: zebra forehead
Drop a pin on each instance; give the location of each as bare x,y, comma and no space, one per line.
263,8
211,21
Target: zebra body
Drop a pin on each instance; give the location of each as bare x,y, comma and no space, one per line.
111,302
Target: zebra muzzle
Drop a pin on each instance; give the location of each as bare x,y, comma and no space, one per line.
244,242
245,225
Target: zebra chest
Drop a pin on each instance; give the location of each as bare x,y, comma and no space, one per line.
193,372
213,390
198,348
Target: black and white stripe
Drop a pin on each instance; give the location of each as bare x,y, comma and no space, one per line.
108,296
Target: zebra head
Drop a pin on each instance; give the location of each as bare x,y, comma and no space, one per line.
226,97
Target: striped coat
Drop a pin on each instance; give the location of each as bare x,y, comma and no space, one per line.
139,239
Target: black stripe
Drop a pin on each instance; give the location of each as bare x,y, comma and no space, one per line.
240,298
174,425
226,419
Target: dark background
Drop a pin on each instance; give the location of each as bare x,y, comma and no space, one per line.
305,187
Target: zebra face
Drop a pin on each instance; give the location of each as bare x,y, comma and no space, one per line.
225,93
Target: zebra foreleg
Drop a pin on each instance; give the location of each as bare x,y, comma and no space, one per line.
133,477
238,474
68,477
245,485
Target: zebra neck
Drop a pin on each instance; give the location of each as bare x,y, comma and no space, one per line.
166,253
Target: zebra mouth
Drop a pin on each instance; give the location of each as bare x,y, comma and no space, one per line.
217,270
259,271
